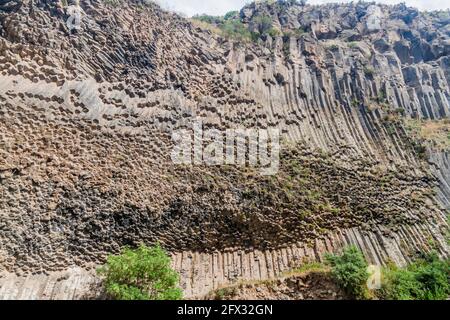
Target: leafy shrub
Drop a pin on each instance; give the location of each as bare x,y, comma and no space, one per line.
263,24
141,274
231,14
225,293
425,279
209,19
350,271
273,32
420,149
225,26
232,27
235,29
428,278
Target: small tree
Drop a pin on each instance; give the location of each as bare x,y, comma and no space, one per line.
141,274
231,15
350,271
235,29
263,24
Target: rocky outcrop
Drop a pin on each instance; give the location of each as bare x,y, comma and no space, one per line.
85,140
311,286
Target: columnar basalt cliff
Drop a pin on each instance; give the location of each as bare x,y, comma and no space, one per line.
87,117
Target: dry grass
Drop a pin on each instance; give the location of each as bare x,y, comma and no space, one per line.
436,132
206,26
307,267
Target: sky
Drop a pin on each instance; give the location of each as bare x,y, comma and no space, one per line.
220,7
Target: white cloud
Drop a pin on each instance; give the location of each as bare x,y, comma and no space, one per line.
220,7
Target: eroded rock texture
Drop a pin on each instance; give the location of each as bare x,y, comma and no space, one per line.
85,140
312,286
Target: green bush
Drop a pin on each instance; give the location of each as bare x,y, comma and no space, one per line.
426,279
231,14
350,271
235,29
232,27
263,24
227,26
273,33
141,274
215,20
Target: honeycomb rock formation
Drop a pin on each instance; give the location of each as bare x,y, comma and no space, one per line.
85,141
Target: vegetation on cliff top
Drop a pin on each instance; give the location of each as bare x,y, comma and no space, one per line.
230,26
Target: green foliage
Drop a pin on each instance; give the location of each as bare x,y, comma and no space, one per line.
209,19
231,14
235,29
333,47
400,112
274,32
294,33
381,98
148,2
420,149
141,274
426,279
113,3
227,26
310,267
224,293
264,25
433,133
350,271
231,26
369,72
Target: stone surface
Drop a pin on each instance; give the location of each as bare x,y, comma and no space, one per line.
85,141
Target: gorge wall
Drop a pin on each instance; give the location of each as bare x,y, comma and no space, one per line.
86,124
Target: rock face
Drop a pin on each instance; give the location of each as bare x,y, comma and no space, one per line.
312,286
87,117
